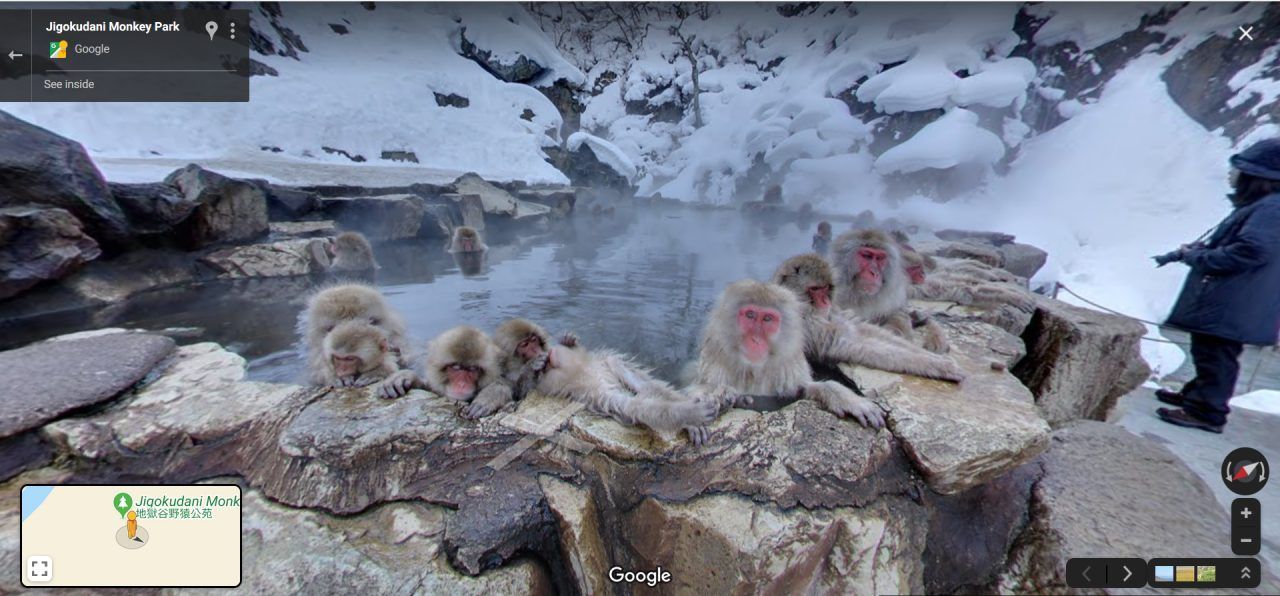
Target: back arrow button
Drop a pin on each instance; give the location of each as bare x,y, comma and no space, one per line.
14,55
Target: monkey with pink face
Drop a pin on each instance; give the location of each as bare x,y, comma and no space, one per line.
872,282
753,345
832,337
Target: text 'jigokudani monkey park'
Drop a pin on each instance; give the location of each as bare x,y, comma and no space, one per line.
615,298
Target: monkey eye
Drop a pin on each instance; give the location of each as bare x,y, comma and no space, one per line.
768,318
375,321
751,314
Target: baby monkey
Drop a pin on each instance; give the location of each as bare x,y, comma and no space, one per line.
357,354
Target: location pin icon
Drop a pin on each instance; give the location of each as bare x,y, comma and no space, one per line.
122,503
212,28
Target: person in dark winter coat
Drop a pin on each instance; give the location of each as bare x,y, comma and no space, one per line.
1232,294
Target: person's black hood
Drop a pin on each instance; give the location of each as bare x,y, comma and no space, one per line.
1261,159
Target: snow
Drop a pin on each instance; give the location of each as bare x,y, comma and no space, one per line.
507,32
1264,400
364,93
1128,177
608,153
949,141
1089,24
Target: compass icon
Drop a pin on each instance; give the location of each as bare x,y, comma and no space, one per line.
1245,471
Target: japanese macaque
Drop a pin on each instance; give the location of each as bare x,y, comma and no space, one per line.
352,252
869,279
357,354
348,302
466,240
822,239
459,364
517,343
832,338
606,382
753,345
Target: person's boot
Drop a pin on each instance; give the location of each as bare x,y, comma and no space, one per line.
1180,417
1169,396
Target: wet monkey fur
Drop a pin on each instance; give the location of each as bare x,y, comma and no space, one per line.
872,282
331,306
357,354
832,337
753,344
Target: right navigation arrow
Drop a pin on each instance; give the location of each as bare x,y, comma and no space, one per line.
1127,574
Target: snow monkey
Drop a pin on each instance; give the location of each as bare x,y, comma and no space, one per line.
466,239
963,282
459,364
352,252
834,337
607,382
357,354
346,302
822,240
871,282
753,344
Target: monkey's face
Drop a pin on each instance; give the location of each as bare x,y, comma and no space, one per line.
916,273
819,297
349,361
460,380
530,347
870,264
757,325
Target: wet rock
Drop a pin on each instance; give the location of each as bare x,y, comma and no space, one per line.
581,540
284,203
560,200
996,239
1023,260
438,221
970,532
393,548
42,168
276,259
962,435
380,217
467,209
227,210
21,452
451,100
154,209
40,244
194,402
983,253
1079,361
512,69
304,229
584,169
727,544
129,274
46,380
496,201
1100,496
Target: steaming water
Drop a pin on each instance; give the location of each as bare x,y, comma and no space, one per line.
640,282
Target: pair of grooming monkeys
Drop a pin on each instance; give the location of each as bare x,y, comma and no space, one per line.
759,340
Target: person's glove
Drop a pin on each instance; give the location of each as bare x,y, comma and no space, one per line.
1170,257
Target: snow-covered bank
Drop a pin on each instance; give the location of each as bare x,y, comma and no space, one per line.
1129,177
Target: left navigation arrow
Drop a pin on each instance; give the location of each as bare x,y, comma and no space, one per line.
14,55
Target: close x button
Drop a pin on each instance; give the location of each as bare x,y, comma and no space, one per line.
1106,573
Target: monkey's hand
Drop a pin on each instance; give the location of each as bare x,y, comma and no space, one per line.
948,370
348,381
738,401
491,399
935,340
398,384
540,362
843,403
698,435
569,339
366,380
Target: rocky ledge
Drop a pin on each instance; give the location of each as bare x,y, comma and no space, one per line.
984,486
